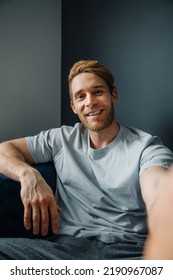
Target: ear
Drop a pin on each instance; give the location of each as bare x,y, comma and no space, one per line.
114,96
73,107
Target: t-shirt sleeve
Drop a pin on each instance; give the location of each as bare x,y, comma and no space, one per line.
155,154
44,146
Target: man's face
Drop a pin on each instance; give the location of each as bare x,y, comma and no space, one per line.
92,101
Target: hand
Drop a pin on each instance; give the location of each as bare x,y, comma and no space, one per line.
40,206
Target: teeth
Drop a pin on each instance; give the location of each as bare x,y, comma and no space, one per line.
94,113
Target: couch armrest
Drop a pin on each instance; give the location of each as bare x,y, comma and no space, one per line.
11,207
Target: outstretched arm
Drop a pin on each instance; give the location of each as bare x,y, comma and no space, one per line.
37,197
157,190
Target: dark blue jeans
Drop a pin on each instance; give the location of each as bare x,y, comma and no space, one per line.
67,248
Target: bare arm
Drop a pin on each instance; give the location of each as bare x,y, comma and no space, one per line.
37,197
14,158
157,191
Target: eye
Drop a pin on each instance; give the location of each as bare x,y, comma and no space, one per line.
80,97
98,92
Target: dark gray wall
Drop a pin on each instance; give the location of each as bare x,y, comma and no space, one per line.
135,39
30,65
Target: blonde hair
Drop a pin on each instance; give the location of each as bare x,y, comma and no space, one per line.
91,66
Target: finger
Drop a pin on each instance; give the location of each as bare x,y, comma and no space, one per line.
53,210
44,220
36,220
58,208
27,217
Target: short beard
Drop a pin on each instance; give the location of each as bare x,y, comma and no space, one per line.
103,124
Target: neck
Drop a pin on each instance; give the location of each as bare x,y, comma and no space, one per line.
100,139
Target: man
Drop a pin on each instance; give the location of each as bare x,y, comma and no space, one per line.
109,180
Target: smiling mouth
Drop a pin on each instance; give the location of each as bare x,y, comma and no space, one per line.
95,113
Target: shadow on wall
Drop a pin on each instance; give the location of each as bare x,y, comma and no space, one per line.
167,134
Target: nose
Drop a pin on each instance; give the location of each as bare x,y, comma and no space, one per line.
90,100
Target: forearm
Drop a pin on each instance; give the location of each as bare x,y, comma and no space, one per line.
159,244
12,162
39,202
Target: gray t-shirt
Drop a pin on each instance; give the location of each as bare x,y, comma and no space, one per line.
98,189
